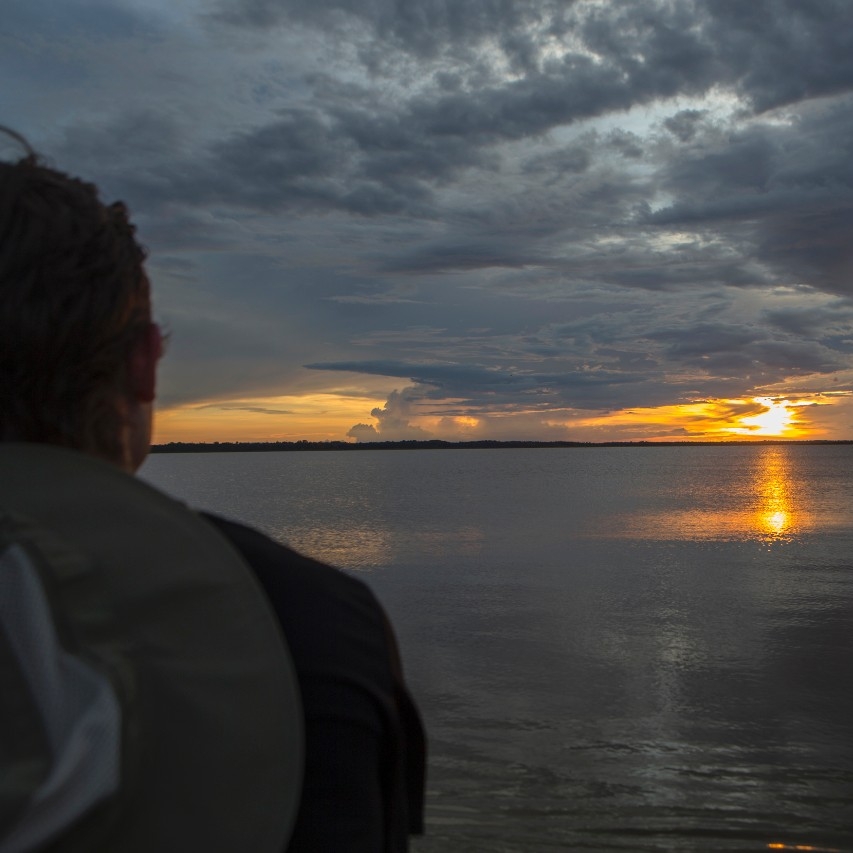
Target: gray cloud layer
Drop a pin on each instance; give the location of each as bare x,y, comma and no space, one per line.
531,206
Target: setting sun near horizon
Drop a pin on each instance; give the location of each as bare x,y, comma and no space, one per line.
776,420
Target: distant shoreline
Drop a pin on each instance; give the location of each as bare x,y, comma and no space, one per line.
266,446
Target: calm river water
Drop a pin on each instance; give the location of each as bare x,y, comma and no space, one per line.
615,649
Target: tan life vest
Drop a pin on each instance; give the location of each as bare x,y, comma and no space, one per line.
148,701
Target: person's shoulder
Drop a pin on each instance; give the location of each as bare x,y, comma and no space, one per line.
321,608
244,537
334,624
265,555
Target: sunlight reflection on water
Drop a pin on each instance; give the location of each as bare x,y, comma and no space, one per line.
346,545
366,547
770,501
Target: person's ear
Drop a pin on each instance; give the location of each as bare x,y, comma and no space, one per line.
142,363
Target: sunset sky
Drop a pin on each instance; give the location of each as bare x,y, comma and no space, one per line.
463,219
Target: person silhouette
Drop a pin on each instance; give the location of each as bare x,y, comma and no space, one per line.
78,370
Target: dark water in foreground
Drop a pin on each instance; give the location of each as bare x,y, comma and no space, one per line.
615,649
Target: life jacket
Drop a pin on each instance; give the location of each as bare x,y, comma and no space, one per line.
147,697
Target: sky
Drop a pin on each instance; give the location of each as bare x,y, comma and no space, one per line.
469,219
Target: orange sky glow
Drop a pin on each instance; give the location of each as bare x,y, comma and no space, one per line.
329,416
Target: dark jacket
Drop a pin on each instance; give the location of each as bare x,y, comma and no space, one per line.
365,750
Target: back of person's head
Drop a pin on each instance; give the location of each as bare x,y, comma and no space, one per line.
73,297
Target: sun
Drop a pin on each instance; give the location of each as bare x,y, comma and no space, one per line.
776,420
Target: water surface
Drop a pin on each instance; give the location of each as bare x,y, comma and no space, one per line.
614,648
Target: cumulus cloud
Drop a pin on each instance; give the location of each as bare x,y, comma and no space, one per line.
363,432
393,420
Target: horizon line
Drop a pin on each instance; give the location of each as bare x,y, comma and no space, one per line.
476,444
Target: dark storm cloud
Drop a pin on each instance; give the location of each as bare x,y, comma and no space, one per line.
785,50
589,363
372,158
355,153
490,388
570,159
745,351
834,321
774,51
465,256
302,160
787,188
684,124
677,273
43,19
441,375
358,161
305,160
426,28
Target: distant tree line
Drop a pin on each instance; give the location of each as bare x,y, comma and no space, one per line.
435,444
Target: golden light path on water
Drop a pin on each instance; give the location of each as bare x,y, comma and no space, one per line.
767,503
774,512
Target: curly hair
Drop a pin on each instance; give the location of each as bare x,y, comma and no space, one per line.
73,298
